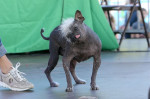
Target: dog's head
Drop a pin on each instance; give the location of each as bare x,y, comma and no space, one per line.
73,29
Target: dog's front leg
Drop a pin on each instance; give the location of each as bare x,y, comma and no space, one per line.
66,64
96,65
72,70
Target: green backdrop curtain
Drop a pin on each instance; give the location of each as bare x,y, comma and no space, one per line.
22,20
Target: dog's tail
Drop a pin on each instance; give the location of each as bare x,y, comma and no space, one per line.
45,38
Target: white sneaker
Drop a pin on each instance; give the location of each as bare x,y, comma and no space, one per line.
14,80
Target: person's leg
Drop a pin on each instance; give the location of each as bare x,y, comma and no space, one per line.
5,64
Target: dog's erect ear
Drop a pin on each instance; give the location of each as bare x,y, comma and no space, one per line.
78,16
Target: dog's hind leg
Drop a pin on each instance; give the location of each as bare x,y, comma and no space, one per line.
51,65
96,65
72,70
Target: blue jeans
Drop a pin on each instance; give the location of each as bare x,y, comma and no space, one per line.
2,49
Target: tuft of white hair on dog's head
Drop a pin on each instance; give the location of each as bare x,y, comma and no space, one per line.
65,26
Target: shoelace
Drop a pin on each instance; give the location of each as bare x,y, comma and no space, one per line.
17,73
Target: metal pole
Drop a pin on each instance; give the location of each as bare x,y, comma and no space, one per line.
146,33
148,14
108,15
118,14
123,33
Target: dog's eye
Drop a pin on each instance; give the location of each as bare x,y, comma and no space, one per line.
75,28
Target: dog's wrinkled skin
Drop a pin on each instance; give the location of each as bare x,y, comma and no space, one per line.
76,42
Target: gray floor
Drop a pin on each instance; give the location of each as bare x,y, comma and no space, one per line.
122,75
134,45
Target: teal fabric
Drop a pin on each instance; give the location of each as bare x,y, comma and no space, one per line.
22,20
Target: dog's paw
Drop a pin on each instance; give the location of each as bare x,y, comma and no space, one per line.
69,89
80,82
54,84
94,87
